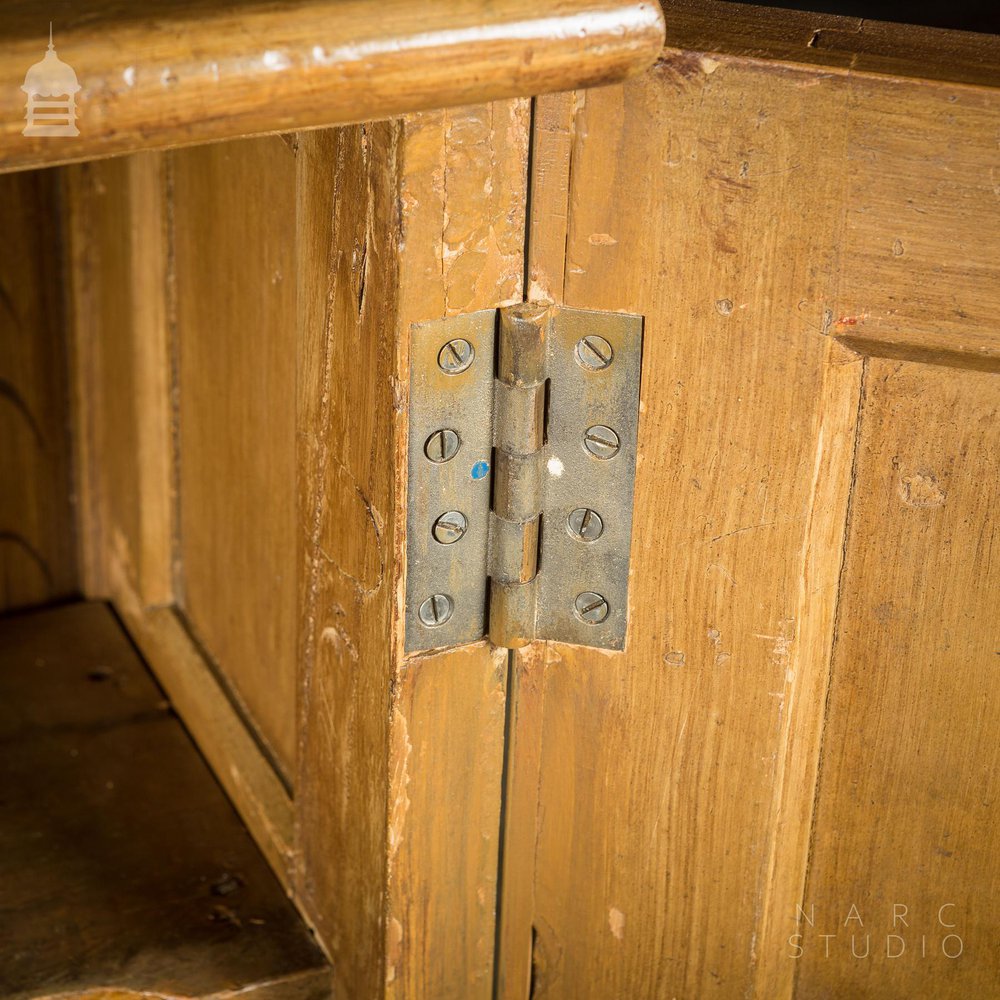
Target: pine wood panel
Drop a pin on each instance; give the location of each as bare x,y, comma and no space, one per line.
921,278
399,873
37,560
854,46
233,230
906,818
176,73
231,748
674,781
346,561
463,192
121,361
763,212
123,434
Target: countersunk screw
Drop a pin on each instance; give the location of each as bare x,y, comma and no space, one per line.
594,352
450,527
591,608
436,610
456,356
585,524
601,441
442,445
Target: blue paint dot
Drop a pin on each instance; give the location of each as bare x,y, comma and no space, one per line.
480,470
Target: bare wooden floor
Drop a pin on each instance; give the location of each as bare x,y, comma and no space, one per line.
122,864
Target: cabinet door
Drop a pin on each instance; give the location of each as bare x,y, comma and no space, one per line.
786,783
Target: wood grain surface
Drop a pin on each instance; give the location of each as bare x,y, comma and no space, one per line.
179,73
400,875
831,43
463,190
674,781
37,558
903,866
766,210
347,287
123,354
921,276
234,254
120,362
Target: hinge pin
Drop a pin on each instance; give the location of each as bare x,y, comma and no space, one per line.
436,610
456,356
585,524
442,445
450,527
602,442
591,608
594,352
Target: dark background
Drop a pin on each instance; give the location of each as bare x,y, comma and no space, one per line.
968,15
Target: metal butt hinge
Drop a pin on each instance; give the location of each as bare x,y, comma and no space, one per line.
522,453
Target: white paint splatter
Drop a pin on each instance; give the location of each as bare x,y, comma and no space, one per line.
555,467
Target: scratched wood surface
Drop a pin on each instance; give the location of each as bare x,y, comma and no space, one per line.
904,872
661,801
345,555
463,188
176,72
293,269
37,559
400,875
673,780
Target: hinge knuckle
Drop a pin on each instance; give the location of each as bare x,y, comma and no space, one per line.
522,349
518,417
518,436
513,549
516,486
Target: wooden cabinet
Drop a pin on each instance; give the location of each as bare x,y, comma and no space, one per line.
785,785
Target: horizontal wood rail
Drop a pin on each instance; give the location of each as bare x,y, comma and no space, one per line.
837,44
163,74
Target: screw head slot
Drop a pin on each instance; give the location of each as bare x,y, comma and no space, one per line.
450,527
443,445
602,442
590,608
456,356
436,610
594,353
585,524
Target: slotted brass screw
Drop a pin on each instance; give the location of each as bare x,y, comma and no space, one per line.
456,356
436,610
585,524
591,608
602,442
594,353
450,527
442,445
